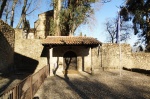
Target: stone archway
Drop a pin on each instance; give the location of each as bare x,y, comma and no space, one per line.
70,61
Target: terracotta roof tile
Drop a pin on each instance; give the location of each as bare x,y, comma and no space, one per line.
70,40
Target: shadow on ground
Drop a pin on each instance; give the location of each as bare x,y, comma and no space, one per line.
142,71
95,87
23,67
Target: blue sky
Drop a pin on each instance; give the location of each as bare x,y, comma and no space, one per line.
96,30
108,10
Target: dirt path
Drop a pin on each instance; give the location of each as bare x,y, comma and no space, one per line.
105,85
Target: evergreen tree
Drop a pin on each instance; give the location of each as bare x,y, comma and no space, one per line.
74,13
139,11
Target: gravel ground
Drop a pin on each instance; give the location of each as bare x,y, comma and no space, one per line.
104,85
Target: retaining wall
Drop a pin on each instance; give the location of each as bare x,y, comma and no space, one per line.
7,41
28,53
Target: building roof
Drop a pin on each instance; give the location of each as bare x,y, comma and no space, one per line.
70,40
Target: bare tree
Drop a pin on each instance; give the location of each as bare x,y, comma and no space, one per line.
23,14
111,29
3,4
12,12
6,11
9,11
26,11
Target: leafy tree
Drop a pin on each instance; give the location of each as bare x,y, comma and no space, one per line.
139,12
72,14
75,13
137,47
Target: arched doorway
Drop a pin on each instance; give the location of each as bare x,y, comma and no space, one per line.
70,61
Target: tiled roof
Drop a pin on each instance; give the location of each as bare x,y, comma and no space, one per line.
70,40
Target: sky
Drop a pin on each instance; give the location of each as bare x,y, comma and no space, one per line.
96,28
106,11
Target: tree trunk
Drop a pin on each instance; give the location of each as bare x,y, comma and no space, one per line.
148,33
19,23
12,12
2,7
72,29
23,15
57,10
6,12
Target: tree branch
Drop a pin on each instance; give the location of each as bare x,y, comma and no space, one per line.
2,7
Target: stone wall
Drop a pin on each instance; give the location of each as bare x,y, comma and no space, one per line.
111,55
7,37
96,58
108,56
42,25
141,60
28,53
